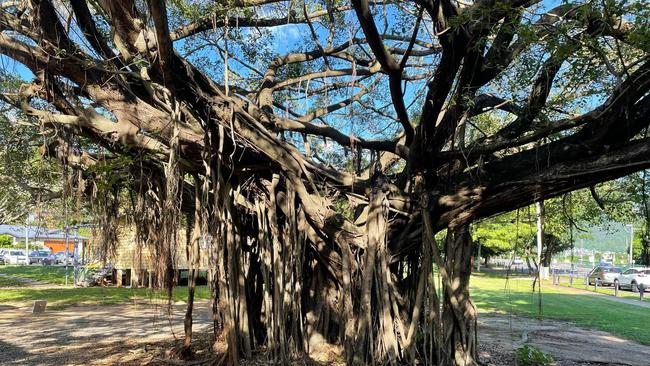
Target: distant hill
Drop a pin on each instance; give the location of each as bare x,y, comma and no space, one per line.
612,237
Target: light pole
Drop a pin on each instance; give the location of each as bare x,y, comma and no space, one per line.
67,252
542,271
630,258
26,240
74,254
30,217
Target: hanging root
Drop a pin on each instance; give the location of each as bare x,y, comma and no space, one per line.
106,214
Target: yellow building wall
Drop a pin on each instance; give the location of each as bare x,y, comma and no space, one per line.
127,256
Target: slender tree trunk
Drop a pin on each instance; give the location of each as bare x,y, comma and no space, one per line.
459,315
192,253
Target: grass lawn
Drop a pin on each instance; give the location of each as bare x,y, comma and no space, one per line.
8,282
58,298
47,274
495,294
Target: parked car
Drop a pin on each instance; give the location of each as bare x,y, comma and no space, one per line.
604,274
59,258
3,252
633,278
37,256
50,260
16,257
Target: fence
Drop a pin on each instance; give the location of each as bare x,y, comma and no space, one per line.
571,278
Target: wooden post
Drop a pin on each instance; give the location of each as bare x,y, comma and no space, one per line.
39,306
150,280
641,291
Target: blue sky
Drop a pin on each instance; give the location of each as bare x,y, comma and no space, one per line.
292,37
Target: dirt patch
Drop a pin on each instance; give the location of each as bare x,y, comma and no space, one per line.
144,333
568,344
132,334
129,334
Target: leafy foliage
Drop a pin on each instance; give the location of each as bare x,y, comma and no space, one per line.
528,355
6,241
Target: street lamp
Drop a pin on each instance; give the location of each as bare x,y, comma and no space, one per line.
630,259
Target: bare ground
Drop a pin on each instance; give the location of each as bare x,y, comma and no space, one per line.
130,334
499,335
143,334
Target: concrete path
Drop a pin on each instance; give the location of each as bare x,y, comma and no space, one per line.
622,300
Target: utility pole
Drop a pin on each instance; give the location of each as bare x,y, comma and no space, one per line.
539,205
630,258
67,252
75,254
478,259
29,218
26,241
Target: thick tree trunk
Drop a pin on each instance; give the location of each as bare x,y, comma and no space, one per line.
381,331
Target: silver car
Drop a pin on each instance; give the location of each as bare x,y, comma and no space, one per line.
604,275
634,278
37,256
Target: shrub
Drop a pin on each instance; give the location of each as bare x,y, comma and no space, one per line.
532,356
6,241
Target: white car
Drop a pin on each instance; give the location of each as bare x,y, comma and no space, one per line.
16,257
633,278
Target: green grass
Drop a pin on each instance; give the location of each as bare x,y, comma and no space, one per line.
494,294
46,274
58,298
8,282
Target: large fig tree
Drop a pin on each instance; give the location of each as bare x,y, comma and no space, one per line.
316,147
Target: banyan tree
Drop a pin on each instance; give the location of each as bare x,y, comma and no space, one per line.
330,155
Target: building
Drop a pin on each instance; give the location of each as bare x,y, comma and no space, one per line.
49,239
136,267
